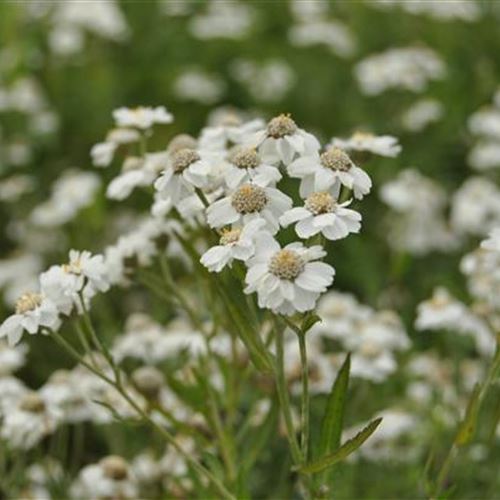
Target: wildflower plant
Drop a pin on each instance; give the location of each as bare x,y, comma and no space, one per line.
214,248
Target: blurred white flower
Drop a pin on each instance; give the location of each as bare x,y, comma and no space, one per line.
382,145
408,68
421,114
223,19
269,81
200,86
142,117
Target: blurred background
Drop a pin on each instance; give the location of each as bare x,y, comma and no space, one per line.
425,72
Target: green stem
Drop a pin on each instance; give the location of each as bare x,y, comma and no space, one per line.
168,437
284,399
305,396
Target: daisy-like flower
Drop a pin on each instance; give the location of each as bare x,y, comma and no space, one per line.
142,117
249,202
282,140
235,243
382,145
110,478
322,214
102,153
246,165
329,171
286,280
186,169
29,421
33,310
88,267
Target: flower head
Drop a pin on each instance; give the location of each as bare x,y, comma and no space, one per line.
287,280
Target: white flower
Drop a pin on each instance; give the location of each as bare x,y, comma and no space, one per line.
493,241
186,169
11,358
286,280
329,171
62,288
236,243
245,165
88,267
142,117
382,145
282,140
408,68
29,420
110,478
228,127
33,310
248,202
102,153
322,214
422,113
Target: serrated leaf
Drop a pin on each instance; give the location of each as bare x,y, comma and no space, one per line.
333,418
468,426
343,452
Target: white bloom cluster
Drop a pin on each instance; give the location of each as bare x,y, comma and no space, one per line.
268,81
421,114
197,85
418,224
232,20
485,126
406,68
61,289
70,21
364,142
130,123
314,26
443,312
462,10
373,337
475,207
73,191
239,181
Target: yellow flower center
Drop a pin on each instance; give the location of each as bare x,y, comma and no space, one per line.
286,264
230,236
320,202
245,158
182,158
249,199
280,126
28,302
336,159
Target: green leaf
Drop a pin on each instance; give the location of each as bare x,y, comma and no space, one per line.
333,418
343,452
309,321
468,426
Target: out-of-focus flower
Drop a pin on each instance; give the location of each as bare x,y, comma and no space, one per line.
421,114
142,117
200,86
408,68
269,81
223,19
382,145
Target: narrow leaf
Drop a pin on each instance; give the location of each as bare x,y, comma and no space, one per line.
333,418
343,452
